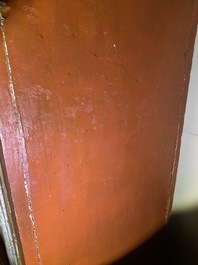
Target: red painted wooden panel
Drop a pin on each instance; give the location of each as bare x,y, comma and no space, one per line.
91,136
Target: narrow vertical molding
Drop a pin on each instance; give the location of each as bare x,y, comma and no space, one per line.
180,114
21,141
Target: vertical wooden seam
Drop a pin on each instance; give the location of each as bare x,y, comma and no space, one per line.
21,141
179,123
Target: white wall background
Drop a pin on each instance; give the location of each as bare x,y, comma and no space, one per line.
186,190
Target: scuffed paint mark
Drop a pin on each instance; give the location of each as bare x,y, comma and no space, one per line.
40,90
89,107
72,112
21,141
31,14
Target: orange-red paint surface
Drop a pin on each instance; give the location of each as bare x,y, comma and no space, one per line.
91,138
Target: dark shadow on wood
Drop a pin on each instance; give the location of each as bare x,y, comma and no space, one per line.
179,248
150,252
182,239
3,254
